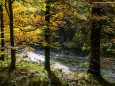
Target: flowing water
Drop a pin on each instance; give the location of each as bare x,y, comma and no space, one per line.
68,63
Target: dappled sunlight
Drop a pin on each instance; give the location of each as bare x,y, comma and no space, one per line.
57,43
67,63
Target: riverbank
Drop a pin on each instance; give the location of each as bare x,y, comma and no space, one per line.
33,74
69,63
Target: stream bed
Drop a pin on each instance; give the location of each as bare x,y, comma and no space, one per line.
68,63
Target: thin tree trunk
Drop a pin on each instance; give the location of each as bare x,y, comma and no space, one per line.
47,36
94,63
13,58
2,33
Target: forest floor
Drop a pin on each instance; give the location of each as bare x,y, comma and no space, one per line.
73,63
66,71
33,74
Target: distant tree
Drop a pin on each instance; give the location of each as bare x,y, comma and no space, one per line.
2,32
47,36
13,51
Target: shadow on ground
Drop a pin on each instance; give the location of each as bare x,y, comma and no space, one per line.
102,81
54,80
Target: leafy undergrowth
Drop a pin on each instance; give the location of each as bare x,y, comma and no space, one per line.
33,74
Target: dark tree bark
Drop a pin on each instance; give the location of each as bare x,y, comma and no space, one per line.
13,58
47,36
2,33
94,63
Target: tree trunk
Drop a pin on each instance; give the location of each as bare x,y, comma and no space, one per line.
94,63
47,36
13,58
2,33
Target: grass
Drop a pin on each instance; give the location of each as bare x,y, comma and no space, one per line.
33,74
25,74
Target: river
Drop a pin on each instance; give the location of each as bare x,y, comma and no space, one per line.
67,63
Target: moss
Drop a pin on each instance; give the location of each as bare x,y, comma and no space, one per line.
32,74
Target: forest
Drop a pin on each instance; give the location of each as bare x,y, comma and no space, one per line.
57,43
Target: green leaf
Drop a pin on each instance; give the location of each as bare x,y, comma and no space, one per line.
1,1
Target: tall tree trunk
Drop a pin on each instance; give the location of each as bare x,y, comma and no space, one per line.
13,58
47,36
94,63
2,33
